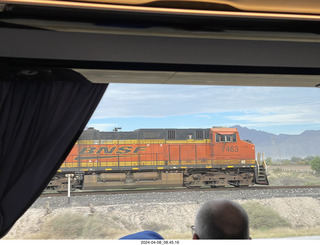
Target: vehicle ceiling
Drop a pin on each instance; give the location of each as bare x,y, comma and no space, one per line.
246,42
272,6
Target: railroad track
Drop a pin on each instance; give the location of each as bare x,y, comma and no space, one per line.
130,191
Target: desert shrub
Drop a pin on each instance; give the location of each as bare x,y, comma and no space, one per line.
79,226
261,217
277,170
290,178
286,181
155,226
66,226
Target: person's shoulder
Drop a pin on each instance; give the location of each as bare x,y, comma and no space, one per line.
143,235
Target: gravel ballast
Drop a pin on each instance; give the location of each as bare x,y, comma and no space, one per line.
177,197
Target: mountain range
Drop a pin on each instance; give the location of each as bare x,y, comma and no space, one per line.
282,146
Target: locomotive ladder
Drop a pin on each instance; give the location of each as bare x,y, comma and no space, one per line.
261,171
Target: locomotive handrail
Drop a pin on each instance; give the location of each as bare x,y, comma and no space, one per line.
265,165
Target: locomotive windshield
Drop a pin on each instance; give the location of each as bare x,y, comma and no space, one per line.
226,137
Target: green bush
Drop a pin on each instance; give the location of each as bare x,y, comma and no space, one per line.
315,164
261,217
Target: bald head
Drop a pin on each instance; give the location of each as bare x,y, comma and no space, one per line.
221,219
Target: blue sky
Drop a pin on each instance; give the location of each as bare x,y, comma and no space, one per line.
272,109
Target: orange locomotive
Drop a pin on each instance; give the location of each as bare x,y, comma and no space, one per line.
213,157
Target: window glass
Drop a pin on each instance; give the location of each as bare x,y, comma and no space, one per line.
234,137
223,138
284,128
217,137
228,138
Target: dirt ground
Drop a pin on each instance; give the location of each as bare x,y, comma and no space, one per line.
176,217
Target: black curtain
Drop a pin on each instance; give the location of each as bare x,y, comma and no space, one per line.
42,114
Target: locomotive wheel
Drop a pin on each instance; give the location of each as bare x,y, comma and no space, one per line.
214,186
234,183
237,184
192,187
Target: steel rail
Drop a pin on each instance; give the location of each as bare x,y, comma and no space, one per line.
131,191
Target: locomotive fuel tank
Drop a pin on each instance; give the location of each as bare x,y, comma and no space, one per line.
134,180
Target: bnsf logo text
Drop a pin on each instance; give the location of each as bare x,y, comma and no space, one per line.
113,150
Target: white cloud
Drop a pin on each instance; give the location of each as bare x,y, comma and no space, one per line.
250,105
203,116
127,100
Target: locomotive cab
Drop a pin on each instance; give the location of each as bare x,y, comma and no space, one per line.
232,161
229,149
237,157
